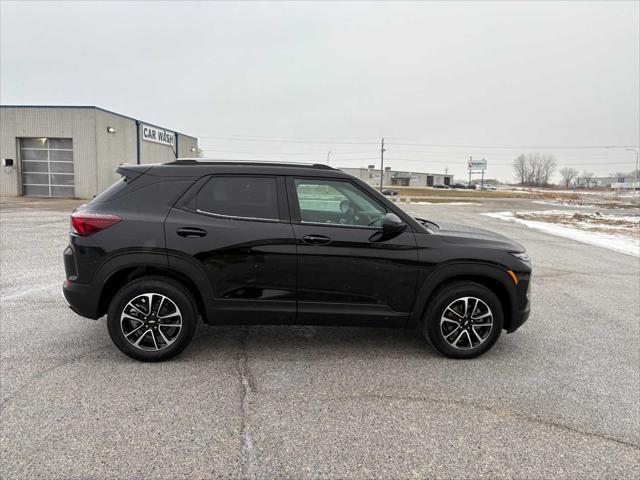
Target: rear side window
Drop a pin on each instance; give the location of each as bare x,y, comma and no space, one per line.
112,192
247,197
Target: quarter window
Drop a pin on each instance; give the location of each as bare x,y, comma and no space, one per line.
247,197
336,202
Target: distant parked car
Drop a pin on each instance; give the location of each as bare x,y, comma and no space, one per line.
459,185
389,193
486,186
440,185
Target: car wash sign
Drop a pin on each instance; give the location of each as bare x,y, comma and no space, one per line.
157,135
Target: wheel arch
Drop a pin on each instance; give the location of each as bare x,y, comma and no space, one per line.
493,277
127,268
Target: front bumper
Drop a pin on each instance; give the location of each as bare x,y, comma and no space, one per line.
522,308
519,317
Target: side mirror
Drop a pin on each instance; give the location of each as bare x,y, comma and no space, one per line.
392,225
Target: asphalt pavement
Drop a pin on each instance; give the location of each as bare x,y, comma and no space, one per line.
558,398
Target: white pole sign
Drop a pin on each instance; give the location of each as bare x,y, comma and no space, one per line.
477,164
157,135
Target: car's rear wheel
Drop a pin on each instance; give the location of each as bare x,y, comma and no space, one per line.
463,319
152,318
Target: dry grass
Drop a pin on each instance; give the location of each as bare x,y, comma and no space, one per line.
417,194
424,192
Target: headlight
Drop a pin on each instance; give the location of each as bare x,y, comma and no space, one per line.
521,256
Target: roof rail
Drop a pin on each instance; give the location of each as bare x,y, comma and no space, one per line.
211,161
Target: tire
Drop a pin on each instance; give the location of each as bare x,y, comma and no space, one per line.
458,335
128,317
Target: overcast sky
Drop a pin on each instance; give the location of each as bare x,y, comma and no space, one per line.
292,81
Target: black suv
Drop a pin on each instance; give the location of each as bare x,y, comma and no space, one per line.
263,243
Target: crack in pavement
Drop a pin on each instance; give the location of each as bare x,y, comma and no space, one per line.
494,411
31,383
248,459
40,375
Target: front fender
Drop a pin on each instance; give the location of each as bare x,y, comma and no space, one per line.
463,271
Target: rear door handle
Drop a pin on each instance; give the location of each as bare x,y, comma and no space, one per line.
191,232
316,239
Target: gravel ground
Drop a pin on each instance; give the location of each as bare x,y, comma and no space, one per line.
560,397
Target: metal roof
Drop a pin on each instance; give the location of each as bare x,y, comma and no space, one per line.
97,108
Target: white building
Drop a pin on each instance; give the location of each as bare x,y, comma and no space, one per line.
371,175
72,151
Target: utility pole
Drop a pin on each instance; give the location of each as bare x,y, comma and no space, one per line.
635,182
328,154
381,164
469,184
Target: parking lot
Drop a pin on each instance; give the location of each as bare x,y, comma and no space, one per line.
560,397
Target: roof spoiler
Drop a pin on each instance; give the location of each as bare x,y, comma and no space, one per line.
131,172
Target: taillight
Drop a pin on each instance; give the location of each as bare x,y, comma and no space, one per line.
85,224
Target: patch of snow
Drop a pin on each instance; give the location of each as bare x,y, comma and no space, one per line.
629,194
558,203
445,203
590,215
618,243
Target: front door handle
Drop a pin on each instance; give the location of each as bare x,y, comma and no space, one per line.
191,232
316,239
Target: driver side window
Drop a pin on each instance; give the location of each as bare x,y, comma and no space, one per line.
336,202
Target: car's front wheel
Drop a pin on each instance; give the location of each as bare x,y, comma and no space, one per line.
152,319
463,319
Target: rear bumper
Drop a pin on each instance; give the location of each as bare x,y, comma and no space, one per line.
81,299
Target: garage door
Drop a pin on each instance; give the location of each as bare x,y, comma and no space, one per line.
47,167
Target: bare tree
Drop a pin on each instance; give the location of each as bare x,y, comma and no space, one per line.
588,177
520,166
568,175
547,167
534,168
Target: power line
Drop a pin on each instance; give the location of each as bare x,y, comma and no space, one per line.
391,142
321,153
509,147
259,137
395,159
276,140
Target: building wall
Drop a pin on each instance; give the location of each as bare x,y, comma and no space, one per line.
96,152
372,177
418,180
185,144
151,152
113,149
76,123
440,179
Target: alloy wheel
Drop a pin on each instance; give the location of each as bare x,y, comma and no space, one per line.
151,321
466,323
